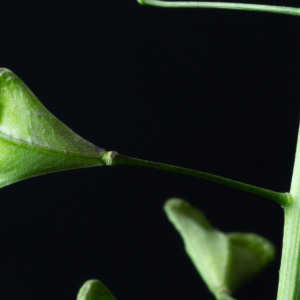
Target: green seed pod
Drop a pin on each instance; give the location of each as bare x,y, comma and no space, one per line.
33,141
94,290
224,261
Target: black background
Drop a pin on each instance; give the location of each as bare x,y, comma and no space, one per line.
211,90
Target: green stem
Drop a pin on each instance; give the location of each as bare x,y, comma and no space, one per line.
289,276
114,158
295,11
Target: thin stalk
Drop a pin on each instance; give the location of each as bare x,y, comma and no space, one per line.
289,276
114,158
286,10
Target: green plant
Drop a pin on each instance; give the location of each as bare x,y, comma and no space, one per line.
34,142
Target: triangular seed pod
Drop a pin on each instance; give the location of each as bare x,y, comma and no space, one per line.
33,141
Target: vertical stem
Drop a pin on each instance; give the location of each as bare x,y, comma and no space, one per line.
289,276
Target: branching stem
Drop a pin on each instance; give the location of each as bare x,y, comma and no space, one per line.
289,279
286,10
289,276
